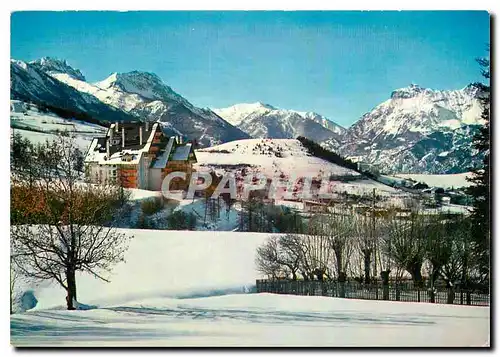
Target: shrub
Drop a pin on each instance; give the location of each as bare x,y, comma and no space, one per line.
180,220
152,205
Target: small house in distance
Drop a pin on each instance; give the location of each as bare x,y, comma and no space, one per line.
138,155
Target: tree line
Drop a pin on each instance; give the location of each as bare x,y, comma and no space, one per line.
366,247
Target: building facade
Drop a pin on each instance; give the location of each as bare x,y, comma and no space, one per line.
138,155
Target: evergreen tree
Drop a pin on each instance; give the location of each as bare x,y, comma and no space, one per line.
480,188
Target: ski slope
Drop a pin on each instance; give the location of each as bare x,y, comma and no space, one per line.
181,288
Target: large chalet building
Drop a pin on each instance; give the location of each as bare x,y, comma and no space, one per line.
138,155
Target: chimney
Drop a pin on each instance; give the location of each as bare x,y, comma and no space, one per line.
111,136
107,149
123,137
147,125
140,135
180,139
116,126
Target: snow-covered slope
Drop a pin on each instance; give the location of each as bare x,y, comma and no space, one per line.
269,156
39,126
32,82
265,121
417,130
53,65
166,264
284,158
419,110
144,96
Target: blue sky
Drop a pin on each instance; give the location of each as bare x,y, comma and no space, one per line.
339,64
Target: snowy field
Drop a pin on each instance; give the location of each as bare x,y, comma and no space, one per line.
444,181
181,288
256,320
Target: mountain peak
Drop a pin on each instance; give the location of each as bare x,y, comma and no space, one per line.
52,65
146,84
264,105
408,92
474,89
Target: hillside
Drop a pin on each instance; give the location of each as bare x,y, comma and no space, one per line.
39,125
283,158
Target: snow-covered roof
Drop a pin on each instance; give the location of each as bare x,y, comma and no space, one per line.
182,152
97,151
162,160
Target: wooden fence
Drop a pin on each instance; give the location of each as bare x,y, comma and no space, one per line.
377,291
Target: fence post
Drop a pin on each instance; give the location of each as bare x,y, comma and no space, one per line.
398,291
418,294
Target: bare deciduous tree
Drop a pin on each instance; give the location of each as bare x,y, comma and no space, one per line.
267,258
337,230
457,267
405,243
75,230
438,248
369,230
290,253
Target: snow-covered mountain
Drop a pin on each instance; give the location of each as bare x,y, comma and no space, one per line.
32,83
52,65
138,95
265,121
417,130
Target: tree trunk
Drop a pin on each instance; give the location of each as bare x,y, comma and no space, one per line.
416,274
451,295
71,289
341,284
367,267
433,278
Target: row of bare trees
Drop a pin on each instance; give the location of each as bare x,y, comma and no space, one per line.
345,244
61,225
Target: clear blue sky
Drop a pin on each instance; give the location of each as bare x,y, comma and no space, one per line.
339,64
